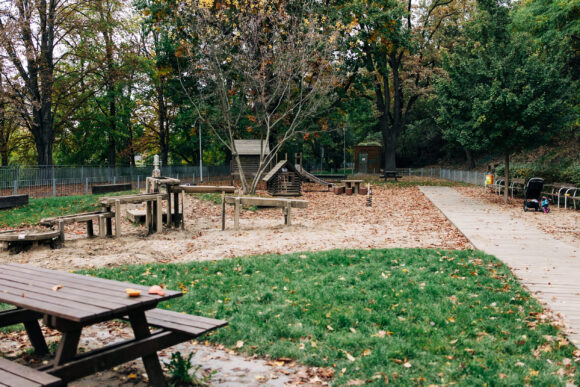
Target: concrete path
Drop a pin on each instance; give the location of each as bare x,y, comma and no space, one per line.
549,268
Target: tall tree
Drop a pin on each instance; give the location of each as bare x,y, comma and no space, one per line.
395,44
499,96
30,32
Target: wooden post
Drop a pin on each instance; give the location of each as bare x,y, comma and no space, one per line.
237,206
287,216
117,218
168,208
223,210
102,226
159,214
109,223
182,210
90,231
61,231
175,209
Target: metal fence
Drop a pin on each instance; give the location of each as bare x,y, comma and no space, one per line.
39,181
470,177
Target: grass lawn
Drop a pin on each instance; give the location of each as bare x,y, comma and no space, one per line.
409,316
40,208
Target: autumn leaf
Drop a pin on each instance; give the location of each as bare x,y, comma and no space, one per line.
56,287
239,344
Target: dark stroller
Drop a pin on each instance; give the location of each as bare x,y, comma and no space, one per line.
533,192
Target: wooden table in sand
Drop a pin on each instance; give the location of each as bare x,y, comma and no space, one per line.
154,215
355,184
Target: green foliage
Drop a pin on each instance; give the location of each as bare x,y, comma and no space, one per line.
438,317
500,95
180,374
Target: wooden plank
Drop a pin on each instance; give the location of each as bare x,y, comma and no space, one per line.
17,316
163,315
109,201
206,188
113,355
11,379
267,202
97,285
75,218
27,373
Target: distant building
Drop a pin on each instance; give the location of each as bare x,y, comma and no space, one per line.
249,151
367,157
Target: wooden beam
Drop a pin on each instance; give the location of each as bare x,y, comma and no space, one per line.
205,188
267,202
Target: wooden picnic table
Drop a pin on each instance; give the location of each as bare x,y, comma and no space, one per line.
355,184
68,302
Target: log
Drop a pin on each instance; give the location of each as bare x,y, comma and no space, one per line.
12,201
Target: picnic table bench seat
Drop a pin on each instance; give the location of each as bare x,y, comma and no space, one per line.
390,174
85,217
17,375
180,322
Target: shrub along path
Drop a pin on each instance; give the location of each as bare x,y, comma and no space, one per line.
547,267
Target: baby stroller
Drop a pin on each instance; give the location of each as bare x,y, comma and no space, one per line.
532,194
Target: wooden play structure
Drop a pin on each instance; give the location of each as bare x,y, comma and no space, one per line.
14,238
284,180
250,152
239,201
86,217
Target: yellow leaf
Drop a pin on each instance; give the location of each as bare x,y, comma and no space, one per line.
56,287
132,376
349,356
330,328
366,352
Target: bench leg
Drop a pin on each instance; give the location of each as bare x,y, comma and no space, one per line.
67,347
159,215
109,222
90,231
151,362
168,210
36,338
287,214
237,206
117,218
223,211
102,230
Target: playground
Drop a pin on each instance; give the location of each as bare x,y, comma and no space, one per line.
401,216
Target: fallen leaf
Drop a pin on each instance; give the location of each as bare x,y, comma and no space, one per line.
330,328
57,287
239,344
366,352
133,292
353,330
132,376
398,361
156,289
407,365
355,382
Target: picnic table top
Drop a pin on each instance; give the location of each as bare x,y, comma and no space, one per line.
73,297
351,181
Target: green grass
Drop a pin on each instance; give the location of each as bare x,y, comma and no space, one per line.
414,316
40,208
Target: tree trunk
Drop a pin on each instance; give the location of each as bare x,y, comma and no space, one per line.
507,176
469,159
163,127
390,145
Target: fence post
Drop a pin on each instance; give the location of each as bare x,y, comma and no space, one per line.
114,179
138,188
15,187
54,187
87,186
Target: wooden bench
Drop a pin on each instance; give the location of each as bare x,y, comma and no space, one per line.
238,202
12,201
86,217
106,188
193,326
390,174
17,375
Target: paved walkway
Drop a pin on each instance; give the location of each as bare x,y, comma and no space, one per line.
550,269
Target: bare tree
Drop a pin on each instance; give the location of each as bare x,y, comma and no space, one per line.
256,70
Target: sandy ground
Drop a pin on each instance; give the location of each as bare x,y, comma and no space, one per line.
399,217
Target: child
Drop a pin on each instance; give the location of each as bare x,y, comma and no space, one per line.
545,204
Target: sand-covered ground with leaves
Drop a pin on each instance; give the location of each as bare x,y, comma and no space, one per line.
398,217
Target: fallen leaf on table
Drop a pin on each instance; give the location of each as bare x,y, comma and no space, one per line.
156,289
56,287
133,292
